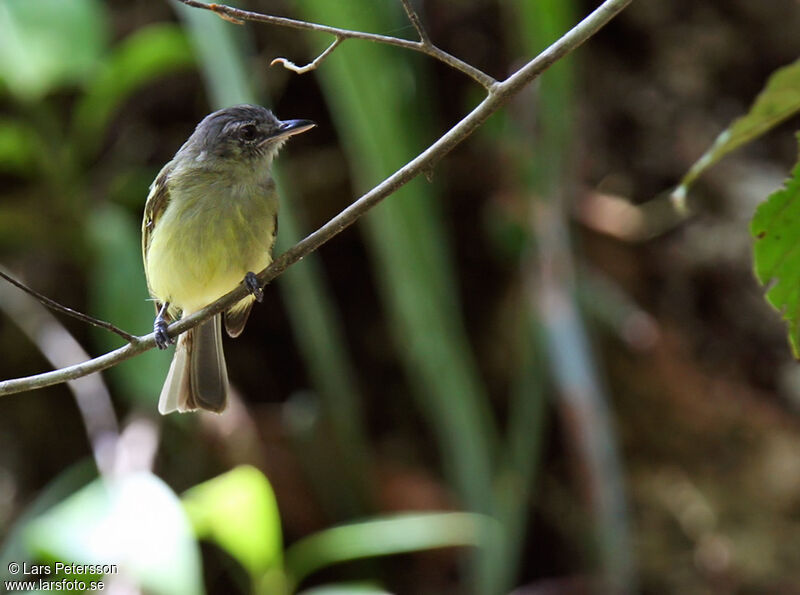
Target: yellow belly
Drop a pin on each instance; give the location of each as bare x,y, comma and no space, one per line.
200,252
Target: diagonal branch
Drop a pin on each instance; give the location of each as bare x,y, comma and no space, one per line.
498,94
54,305
236,15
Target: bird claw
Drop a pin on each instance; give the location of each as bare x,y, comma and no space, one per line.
251,281
163,340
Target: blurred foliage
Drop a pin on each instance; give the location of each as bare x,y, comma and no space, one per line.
542,145
47,44
135,521
145,55
429,395
385,536
381,131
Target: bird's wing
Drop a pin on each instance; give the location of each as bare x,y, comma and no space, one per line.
157,202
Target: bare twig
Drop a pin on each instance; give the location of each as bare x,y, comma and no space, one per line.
237,15
53,305
415,20
289,65
498,94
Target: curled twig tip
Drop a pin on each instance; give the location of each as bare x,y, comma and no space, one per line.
289,65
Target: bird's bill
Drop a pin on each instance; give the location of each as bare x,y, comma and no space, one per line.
291,127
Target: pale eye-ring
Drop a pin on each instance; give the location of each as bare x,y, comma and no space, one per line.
248,132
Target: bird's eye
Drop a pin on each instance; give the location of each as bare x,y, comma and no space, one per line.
248,133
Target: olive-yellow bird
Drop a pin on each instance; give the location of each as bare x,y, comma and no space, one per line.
209,223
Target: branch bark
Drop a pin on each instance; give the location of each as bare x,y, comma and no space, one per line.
498,94
238,16
53,305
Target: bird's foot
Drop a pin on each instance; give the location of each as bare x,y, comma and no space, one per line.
160,325
252,283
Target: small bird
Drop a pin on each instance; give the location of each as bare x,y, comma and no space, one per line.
209,224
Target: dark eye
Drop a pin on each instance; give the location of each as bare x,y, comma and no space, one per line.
248,132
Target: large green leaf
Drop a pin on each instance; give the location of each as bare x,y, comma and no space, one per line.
48,43
135,522
776,229
238,511
779,100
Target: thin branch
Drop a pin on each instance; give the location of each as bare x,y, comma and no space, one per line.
238,16
498,94
289,65
415,20
53,305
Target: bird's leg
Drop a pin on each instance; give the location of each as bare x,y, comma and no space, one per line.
160,327
251,281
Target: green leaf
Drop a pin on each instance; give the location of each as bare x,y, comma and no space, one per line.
49,43
381,537
776,230
143,56
779,100
134,521
238,511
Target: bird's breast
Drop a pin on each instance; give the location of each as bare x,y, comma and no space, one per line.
211,234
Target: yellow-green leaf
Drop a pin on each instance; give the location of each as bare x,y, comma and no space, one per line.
779,100
238,511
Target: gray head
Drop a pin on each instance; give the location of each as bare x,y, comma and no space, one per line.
242,134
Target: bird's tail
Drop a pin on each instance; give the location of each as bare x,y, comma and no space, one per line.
197,377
